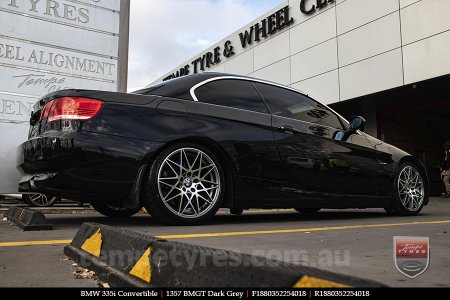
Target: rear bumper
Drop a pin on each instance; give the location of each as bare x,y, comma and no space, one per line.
48,183
83,166
36,182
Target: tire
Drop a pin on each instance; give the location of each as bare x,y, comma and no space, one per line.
184,186
307,211
410,191
40,200
113,211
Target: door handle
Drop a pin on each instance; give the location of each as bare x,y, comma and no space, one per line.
289,129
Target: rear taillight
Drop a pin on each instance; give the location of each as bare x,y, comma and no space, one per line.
71,108
46,110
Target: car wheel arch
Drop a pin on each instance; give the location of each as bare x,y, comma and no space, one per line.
229,166
415,161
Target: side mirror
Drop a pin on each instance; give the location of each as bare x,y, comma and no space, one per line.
357,123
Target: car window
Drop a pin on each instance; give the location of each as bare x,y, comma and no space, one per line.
231,93
290,104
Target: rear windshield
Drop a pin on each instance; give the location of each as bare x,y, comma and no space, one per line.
173,88
152,89
177,87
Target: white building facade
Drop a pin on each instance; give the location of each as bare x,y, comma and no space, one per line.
347,49
388,60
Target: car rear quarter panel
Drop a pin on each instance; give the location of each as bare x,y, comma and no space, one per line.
242,134
245,137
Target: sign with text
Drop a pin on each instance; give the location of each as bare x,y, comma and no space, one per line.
269,26
257,32
412,255
45,46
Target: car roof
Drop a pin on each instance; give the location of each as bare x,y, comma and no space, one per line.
199,77
180,87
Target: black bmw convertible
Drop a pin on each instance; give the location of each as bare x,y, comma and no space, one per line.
188,146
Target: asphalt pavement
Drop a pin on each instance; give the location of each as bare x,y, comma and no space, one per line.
353,242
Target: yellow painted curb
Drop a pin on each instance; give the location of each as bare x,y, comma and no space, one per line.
93,245
142,269
313,282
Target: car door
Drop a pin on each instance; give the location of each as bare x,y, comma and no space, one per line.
316,162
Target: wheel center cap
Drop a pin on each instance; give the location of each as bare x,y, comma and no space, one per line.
187,182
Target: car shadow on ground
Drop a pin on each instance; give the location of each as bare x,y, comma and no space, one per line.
142,220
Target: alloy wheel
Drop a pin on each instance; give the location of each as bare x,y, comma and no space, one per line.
410,187
189,182
42,200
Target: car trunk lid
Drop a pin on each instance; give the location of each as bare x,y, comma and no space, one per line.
38,124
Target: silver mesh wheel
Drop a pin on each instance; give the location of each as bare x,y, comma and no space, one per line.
189,182
410,187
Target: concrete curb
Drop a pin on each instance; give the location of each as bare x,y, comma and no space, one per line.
28,219
55,210
125,258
